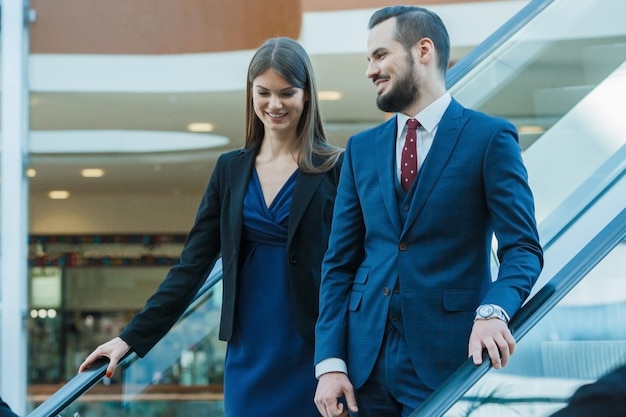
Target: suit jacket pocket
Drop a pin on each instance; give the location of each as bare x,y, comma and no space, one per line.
361,276
355,300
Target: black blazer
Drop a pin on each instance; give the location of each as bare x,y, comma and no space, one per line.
217,231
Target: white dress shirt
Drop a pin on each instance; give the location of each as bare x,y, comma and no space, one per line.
429,119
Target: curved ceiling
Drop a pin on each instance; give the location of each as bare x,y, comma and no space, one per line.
117,66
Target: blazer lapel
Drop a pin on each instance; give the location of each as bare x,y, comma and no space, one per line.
240,170
306,186
385,142
444,142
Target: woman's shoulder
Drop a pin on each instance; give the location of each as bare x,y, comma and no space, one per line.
226,156
233,156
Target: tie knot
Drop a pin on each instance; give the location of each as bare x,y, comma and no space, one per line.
412,124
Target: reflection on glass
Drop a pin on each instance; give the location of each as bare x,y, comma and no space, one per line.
182,375
562,81
581,339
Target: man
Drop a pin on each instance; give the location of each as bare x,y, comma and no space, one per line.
606,397
406,291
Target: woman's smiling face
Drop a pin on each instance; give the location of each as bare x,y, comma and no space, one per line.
277,103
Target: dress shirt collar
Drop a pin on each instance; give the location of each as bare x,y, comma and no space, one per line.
430,117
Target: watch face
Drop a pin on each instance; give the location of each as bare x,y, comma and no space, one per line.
485,311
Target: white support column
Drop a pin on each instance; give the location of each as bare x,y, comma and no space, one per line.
13,206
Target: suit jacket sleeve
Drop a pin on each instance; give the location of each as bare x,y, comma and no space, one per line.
344,254
511,206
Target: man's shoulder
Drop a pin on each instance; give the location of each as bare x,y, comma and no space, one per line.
375,130
485,119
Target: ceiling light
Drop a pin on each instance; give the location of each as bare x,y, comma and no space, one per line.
200,127
31,173
58,195
92,173
531,130
329,95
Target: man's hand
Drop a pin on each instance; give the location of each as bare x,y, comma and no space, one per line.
114,349
495,336
330,388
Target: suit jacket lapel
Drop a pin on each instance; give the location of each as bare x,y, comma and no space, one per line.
444,142
306,186
240,170
385,142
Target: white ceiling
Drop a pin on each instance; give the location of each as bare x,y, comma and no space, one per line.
124,94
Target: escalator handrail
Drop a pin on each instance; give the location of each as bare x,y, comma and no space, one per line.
478,54
581,200
85,380
467,375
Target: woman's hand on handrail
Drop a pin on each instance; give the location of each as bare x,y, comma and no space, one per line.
114,349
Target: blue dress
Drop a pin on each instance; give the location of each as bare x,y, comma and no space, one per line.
269,367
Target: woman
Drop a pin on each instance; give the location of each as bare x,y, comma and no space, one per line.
267,210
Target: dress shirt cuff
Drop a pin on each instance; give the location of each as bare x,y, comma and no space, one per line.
330,365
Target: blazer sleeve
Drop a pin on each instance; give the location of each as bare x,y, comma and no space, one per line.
344,254
511,206
173,296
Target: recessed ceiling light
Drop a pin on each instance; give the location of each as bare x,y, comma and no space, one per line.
92,173
531,130
31,173
329,95
58,195
200,127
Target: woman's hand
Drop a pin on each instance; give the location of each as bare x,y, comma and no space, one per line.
114,349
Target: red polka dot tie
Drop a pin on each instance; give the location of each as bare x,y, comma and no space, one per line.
408,161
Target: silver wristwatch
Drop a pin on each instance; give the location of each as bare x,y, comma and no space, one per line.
490,311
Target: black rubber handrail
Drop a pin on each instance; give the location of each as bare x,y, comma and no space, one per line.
87,379
468,374
481,52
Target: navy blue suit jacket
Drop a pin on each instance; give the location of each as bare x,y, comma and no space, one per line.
473,183
217,231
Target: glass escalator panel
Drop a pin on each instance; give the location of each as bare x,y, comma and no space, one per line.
579,340
182,375
561,79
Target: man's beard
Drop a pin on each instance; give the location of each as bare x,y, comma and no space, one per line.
403,93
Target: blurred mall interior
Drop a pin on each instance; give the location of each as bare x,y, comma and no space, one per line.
114,113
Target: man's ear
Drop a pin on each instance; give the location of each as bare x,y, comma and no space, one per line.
424,50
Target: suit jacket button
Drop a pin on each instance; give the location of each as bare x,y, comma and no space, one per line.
405,207
293,259
386,291
403,246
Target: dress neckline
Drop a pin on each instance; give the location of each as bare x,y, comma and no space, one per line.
280,194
